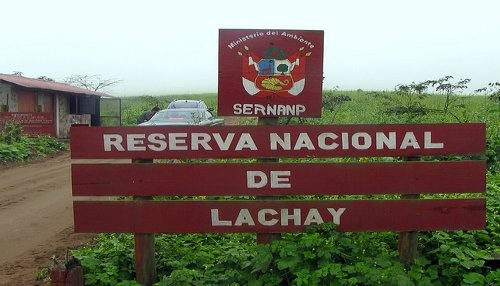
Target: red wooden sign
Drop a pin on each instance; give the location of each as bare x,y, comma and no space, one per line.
277,216
262,179
277,179
26,118
277,141
270,73
33,123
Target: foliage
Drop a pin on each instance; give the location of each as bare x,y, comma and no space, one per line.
11,133
15,146
110,261
325,257
448,88
409,100
46,78
334,102
492,91
134,106
209,259
110,111
457,257
181,259
322,256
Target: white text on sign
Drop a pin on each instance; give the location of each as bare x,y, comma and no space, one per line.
271,217
259,179
159,142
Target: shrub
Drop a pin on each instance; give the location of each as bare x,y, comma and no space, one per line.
15,147
11,133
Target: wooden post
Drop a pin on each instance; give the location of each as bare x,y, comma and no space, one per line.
145,262
408,240
266,238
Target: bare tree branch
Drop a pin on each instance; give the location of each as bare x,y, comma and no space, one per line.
92,82
46,78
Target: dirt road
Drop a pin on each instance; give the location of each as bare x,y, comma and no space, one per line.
36,218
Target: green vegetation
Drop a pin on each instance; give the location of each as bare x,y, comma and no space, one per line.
132,107
110,111
322,256
17,147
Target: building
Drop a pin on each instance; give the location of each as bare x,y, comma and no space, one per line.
46,107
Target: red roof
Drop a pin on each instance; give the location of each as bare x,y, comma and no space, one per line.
47,85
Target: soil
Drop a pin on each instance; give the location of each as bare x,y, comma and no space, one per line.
36,218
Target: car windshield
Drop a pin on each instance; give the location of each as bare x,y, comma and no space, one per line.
178,115
187,104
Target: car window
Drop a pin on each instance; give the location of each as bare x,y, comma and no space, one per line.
182,104
187,115
161,115
187,104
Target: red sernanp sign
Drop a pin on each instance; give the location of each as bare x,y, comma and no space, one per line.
270,73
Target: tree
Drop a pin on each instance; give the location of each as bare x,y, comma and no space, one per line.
283,68
46,78
409,100
448,88
92,82
333,102
492,90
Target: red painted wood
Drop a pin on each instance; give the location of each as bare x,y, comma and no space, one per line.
144,247
88,142
304,179
27,118
33,123
294,45
195,216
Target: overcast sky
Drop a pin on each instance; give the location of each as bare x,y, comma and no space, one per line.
171,47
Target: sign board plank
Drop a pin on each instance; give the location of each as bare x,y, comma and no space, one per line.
26,118
154,142
277,179
270,73
277,216
33,123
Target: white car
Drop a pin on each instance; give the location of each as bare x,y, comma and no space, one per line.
183,116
